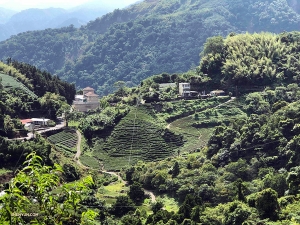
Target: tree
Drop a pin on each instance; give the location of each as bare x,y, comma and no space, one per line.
175,170
122,206
131,220
157,206
120,85
70,172
267,204
293,180
213,45
236,213
136,193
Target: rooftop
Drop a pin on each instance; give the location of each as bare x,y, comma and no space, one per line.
218,91
167,84
88,89
24,121
79,96
91,94
40,119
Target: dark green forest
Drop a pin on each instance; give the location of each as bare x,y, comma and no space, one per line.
148,38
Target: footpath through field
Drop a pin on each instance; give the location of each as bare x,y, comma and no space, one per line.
77,156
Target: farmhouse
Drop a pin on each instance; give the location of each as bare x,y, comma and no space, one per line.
88,101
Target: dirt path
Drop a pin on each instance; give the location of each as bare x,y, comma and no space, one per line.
230,100
78,153
147,192
76,158
150,193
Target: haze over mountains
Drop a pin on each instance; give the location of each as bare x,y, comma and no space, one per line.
13,22
151,37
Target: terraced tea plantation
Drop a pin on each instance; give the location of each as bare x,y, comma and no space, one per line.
10,82
65,140
137,137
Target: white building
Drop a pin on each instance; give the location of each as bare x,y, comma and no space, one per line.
184,89
88,101
40,121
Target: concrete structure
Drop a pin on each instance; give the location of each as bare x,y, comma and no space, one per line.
40,121
217,93
184,89
88,101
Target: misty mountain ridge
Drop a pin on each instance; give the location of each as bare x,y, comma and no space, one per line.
12,22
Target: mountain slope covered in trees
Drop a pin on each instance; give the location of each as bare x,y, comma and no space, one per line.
247,172
145,39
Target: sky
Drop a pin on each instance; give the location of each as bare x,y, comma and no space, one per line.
19,5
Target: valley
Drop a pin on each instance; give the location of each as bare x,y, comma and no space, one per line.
178,112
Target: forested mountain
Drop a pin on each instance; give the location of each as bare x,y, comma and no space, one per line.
147,38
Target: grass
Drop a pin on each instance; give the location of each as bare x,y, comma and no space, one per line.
111,192
5,171
170,204
10,82
73,123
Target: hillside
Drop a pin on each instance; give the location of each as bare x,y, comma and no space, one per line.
148,38
138,136
27,92
214,160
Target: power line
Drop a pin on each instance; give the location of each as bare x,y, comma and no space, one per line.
137,104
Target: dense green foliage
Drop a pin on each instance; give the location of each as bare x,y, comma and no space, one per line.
30,193
13,153
145,39
224,161
250,61
43,82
